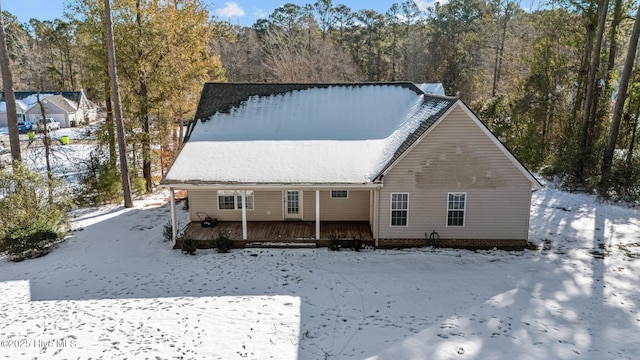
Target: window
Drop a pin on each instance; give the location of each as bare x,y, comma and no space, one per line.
399,209
232,200
339,194
225,200
456,206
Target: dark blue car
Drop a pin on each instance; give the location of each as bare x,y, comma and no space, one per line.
24,126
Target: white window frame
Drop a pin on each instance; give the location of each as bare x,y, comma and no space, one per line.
237,199
346,192
463,209
391,210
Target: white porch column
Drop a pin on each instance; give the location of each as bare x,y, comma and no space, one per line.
317,214
174,230
376,215
244,214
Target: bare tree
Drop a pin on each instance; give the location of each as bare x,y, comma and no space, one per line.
10,98
47,146
117,107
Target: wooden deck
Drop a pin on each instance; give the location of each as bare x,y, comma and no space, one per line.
281,231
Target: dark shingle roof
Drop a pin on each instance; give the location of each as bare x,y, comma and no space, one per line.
75,96
221,97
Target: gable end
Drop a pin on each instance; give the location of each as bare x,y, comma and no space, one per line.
414,140
430,101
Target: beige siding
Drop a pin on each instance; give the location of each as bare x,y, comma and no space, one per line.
267,206
354,208
457,156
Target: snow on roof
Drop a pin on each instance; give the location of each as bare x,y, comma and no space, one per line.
431,88
25,103
26,99
334,135
20,106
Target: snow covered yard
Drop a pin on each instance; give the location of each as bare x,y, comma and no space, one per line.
115,290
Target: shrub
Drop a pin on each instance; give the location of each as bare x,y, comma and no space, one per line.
223,243
27,243
356,244
189,246
100,182
29,222
334,242
167,231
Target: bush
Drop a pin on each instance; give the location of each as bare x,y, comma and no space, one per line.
334,242
29,222
189,246
223,243
101,183
167,231
357,243
27,243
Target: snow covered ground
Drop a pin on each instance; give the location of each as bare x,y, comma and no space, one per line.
67,161
116,290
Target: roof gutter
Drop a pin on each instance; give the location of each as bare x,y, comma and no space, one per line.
238,186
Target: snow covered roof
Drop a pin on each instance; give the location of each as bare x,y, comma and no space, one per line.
63,103
301,133
431,88
21,107
27,99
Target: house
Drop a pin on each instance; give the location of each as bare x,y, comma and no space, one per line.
416,168
69,108
21,109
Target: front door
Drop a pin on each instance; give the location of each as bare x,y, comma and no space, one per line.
293,204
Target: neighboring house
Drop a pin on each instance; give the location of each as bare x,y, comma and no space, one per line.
69,108
407,163
21,109
57,108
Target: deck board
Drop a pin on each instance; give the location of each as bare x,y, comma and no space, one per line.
281,230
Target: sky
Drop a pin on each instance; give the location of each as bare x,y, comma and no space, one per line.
243,12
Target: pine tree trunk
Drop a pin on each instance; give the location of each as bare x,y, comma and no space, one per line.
607,159
143,92
10,98
115,95
583,73
110,128
585,147
500,49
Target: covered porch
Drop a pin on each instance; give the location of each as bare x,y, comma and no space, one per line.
281,232
312,214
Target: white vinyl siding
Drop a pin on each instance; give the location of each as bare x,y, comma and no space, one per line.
355,208
498,194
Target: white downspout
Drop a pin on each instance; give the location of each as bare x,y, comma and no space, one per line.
376,215
174,230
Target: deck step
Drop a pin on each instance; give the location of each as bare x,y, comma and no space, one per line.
282,245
